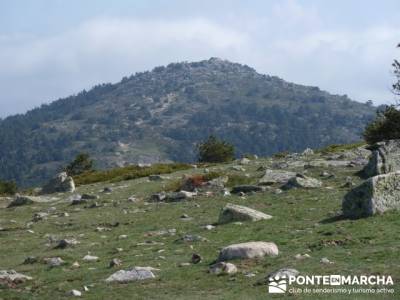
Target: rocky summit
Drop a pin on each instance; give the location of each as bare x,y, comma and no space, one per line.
160,115
292,214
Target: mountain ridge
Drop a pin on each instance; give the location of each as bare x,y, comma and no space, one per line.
160,115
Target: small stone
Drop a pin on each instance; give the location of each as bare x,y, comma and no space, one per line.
75,293
196,258
301,256
90,258
64,243
325,261
115,262
223,268
39,216
209,227
30,260
76,265
54,261
122,236
107,190
132,199
184,264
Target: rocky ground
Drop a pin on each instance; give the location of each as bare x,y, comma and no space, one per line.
195,244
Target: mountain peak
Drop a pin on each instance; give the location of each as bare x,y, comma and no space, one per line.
160,116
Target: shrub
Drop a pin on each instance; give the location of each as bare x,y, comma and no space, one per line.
386,126
215,150
7,188
82,163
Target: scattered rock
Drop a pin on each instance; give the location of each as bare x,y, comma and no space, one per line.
123,276
244,161
308,152
281,273
13,276
325,261
54,261
385,158
302,181
374,196
185,264
90,258
238,168
132,199
75,293
115,262
75,265
209,227
246,189
233,213
223,268
39,216
61,183
107,190
64,243
196,258
192,238
348,183
21,200
301,256
248,250
276,176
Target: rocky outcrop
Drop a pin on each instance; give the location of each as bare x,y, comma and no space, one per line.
60,184
376,195
276,176
302,181
248,250
385,158
233,213
137,273
20,200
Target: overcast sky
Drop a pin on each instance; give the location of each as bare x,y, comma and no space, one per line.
54,48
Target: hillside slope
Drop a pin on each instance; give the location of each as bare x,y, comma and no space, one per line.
123,223
160,115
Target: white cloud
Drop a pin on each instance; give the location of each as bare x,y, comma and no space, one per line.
290,41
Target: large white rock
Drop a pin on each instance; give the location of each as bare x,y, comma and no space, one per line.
375,195
301,181
276,176
385,158
137,273
248,250
234,213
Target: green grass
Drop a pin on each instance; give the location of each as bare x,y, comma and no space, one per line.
341,147
128,173
303,222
